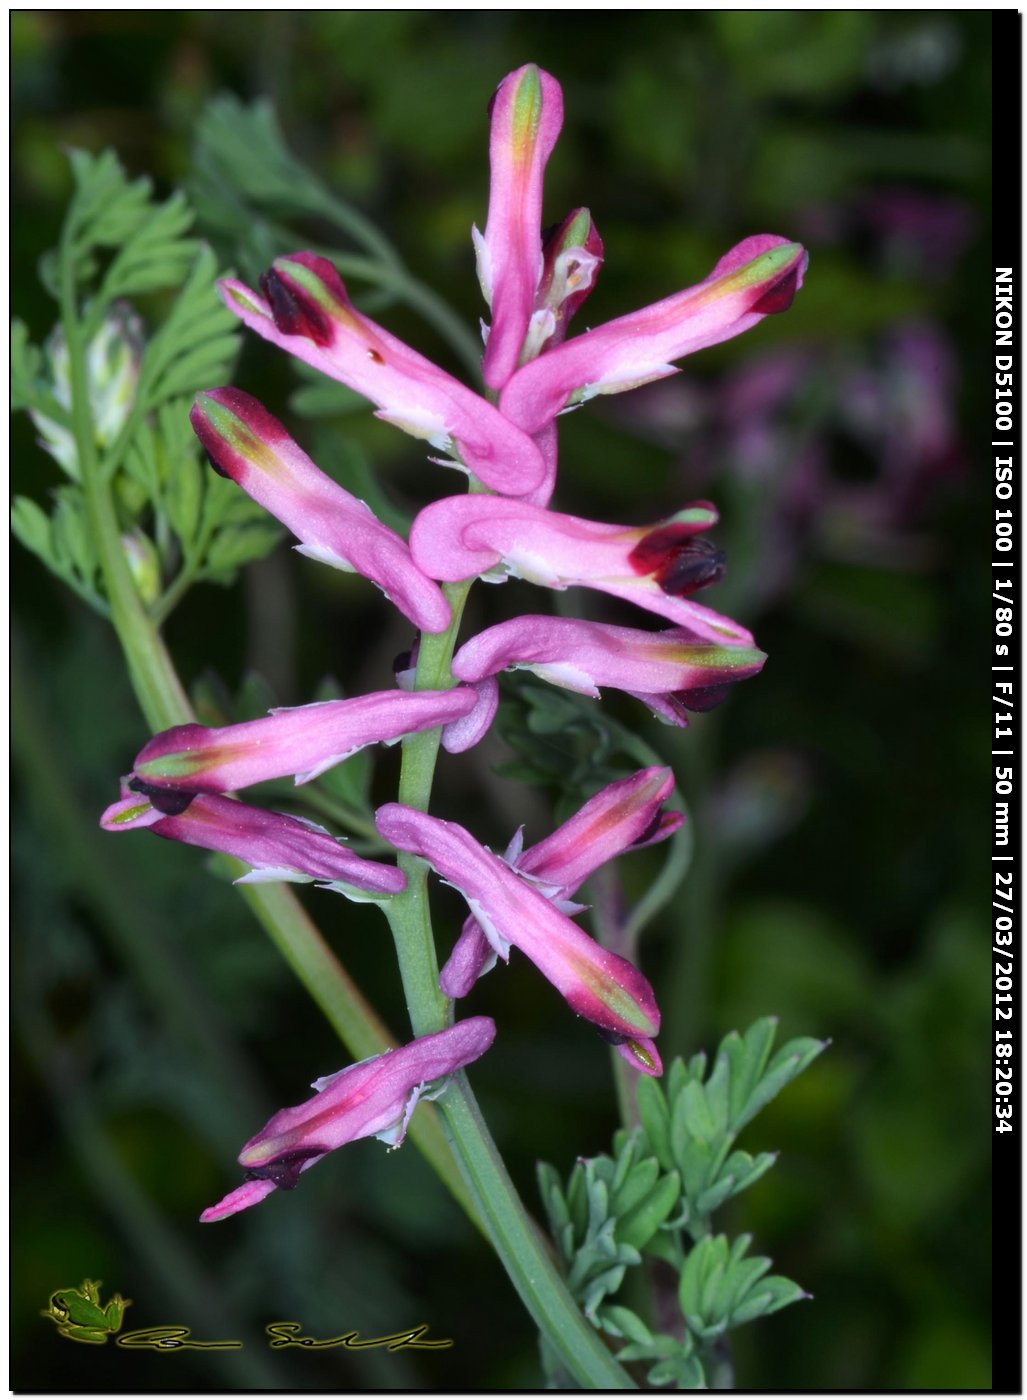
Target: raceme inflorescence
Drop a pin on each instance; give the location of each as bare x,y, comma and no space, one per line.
505,441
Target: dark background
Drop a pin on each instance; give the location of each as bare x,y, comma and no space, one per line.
840,800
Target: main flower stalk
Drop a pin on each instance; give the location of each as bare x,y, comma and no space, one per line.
514,1236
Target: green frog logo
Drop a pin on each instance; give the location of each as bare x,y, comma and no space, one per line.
79,1315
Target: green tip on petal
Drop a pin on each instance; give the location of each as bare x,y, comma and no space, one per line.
645,1060
173,766
238,435
527,110
575,235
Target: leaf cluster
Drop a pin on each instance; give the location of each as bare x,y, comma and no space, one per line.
654,1197
111,396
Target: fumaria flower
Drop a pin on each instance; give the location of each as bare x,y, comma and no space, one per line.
624,816
670,671
276,846
598,985
656,566
572,254
527,113
374,1098
307,311
244,442
303,741
757,278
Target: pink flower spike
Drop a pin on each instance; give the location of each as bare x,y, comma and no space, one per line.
244,442
676,667
655,566
304,741
527,113
308,313
374,1098
598,985
276,846
757,278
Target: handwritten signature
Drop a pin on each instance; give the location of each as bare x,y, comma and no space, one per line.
282,1334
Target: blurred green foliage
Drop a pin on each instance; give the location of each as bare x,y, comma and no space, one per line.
838,801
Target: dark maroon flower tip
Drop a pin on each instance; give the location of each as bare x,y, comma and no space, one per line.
701,699
650,831
168,802
294,312
285,1171
682,561
780,296
215,465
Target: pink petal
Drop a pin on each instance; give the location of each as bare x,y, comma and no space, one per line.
757,278
527,113
315,321
244,442
304,741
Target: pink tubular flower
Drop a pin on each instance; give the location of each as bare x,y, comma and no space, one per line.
276,846
596,984
303,741
655,566
624,816
307,311
244,442
757,278
527,113
670,671
374,1098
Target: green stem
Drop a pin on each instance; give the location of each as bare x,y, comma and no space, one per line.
516,1239
524,1250
164,703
